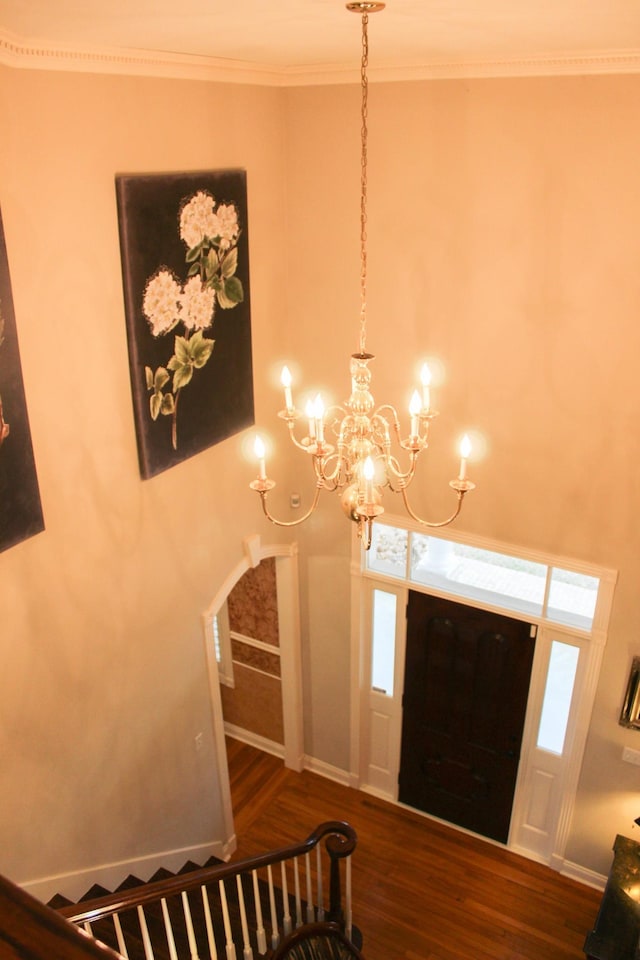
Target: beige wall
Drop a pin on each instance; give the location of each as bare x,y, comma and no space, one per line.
503,239
103,687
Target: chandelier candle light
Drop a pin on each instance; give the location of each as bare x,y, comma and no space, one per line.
359,464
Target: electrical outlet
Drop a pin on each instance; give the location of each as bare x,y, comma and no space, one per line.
631,756
198,739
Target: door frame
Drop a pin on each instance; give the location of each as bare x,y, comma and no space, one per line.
287,587
551,847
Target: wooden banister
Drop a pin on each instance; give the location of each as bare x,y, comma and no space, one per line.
31,931
341,842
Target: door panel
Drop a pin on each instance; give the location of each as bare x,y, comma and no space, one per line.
467,677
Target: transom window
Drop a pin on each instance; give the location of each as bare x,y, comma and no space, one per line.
529,586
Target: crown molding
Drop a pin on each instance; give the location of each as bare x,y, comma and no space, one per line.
25,54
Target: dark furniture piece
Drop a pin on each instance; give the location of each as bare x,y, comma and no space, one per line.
616,935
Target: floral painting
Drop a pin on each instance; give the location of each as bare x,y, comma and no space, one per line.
20,506
185,263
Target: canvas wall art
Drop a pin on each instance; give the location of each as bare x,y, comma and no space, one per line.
185,264
20,505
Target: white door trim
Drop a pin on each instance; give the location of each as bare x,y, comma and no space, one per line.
286,557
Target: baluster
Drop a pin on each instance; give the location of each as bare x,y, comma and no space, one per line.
272,906
286,913
171,943
193,946
211,940
231,947
146,939
320,891
349,917
296,883
122,946
247,952
260,934
311,916
335,896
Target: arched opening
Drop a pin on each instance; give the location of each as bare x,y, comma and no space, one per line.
286,563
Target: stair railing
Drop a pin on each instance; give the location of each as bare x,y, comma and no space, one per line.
29,930
215,911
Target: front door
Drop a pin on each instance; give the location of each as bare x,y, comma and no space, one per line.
465,695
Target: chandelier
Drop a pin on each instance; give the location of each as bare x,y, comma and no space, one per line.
351,446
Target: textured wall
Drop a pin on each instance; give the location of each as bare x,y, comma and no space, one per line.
255,703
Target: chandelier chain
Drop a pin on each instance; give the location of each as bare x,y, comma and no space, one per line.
363,184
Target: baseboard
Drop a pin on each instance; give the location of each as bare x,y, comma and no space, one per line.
110,875
327,770
575,872
277,750
254,740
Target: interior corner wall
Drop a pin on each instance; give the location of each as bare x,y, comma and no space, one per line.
502,240
103,686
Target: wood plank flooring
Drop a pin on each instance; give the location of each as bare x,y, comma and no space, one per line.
421,890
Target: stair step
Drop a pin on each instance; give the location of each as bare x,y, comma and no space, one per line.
161,874
94,892
128,883
57,902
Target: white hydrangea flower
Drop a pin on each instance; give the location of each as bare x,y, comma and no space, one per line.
197,303
161,302
227,225
197,219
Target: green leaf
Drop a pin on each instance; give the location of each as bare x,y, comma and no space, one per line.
202,354
181,351
229,264
168,406
148,375
193,269
161,378
182,376
232,293
155,402
194,253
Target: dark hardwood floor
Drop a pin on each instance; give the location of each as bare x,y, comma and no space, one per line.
421,890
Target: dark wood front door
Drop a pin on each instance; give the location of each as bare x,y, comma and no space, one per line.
467,677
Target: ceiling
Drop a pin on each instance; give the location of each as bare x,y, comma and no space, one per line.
321,34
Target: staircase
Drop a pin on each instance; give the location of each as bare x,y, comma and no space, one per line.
221,910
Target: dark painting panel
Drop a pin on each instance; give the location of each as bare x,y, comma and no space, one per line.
185,264
20,507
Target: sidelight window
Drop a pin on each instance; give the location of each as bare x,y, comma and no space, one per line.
383,641
561,676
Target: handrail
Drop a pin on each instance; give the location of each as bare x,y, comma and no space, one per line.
29,930
341,841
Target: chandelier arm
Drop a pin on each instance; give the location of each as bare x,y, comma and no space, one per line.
404,478
291,423
289,523
333,476
427,523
